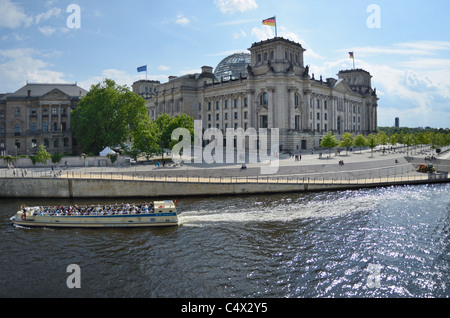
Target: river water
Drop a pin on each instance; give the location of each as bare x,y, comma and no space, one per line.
383,242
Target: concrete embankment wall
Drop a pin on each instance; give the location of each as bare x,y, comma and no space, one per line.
84,188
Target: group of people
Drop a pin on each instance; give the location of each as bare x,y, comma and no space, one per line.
297,157
119,209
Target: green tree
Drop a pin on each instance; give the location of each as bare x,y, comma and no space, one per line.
108,115
393,139
372,142
42,155
145,141
408,140
382,139
164,125
329,141
360,141
347,141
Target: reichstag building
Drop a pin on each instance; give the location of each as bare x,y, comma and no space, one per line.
269,88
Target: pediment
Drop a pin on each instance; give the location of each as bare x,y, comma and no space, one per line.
55,95
342,86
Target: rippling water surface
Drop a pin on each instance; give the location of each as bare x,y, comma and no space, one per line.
385,242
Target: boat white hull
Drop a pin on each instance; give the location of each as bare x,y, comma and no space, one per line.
104,221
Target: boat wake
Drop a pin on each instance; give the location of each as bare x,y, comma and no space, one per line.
281,210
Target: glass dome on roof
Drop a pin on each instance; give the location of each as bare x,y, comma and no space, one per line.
233,65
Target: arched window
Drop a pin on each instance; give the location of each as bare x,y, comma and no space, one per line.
264,99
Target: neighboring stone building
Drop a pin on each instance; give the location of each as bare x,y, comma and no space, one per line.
38,114
275,90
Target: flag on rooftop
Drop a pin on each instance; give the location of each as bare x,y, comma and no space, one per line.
142,69
270,21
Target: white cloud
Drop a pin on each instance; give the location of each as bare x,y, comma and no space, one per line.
13,16
232,6
46,30
418,48
239,34
163,68
54,12
414,86
182,20
263,33
119,76
18,66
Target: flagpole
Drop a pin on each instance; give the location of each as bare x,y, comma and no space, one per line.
354,61
276,33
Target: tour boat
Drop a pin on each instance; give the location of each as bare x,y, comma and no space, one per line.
157,213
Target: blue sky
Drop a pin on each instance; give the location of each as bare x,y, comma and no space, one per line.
405,45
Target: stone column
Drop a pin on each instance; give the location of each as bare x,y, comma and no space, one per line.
270,107
307,109
291,113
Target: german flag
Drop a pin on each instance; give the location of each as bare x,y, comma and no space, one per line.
270,21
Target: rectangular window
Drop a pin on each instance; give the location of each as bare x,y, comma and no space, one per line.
17,130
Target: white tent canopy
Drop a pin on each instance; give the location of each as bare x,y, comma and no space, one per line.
106,152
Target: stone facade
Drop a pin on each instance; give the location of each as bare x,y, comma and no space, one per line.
38,114
278,92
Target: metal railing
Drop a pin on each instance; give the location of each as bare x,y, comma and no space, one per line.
330,178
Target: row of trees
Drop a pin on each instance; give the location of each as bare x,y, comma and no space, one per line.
112,116
434,139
